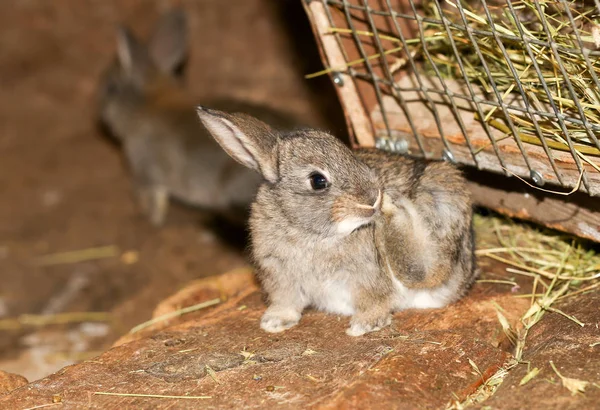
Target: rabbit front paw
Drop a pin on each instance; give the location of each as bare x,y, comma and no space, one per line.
277,319
387,205
361,324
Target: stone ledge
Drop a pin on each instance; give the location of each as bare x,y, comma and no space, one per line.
424,360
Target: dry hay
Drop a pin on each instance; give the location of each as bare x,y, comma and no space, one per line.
560,266
544,77
550,95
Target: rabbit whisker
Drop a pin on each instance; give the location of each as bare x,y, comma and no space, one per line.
361,206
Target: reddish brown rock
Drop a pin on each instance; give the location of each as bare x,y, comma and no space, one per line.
426,359
10,381
422,361
575,353
220,287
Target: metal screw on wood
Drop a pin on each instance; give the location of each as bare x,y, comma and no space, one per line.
383,144
338,79
401,146
448,156
537,177
398,146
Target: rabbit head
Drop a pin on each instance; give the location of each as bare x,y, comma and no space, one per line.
316,180
141,69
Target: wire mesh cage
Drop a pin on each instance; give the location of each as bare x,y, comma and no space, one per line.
505,86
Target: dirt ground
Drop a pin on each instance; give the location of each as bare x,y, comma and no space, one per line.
64,187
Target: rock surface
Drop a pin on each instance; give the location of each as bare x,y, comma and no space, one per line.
10,381
426,359
575,352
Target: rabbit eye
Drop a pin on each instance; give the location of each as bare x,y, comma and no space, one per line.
318,181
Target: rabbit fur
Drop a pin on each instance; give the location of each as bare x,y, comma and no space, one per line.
386,233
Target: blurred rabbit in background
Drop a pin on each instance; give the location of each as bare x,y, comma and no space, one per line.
171,155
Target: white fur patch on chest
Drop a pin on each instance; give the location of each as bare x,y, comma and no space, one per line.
333,296
423,298
347,225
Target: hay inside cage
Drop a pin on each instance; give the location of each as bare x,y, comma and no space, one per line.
506,86
539,55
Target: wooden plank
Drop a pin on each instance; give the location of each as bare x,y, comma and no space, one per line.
577,214
486,157
360,127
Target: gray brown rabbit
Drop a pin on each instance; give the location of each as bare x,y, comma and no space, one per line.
144,105
362,233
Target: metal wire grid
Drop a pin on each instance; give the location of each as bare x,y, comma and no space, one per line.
353,12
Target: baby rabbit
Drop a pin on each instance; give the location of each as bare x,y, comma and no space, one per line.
144,105
360,233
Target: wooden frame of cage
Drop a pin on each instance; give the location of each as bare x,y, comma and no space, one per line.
362,102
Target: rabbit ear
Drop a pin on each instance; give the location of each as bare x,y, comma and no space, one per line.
246,139
168,44
132,54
